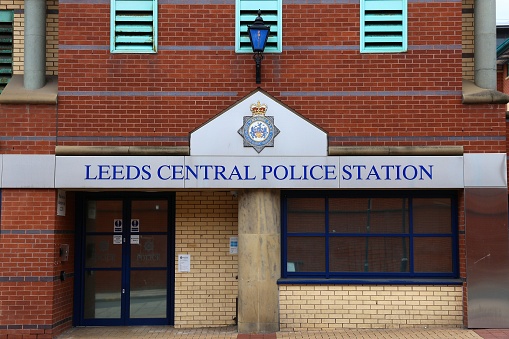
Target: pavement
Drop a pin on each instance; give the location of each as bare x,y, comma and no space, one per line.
159,332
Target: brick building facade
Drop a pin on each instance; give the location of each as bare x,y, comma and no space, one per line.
381,199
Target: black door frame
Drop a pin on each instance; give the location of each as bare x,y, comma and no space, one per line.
79,262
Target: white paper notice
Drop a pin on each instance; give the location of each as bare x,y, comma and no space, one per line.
135,239
234,245
184,263
117,239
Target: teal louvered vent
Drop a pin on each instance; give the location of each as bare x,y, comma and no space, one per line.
6,44
247,11
134,26
383,26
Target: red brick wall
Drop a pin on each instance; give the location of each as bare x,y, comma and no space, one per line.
422,107
28,129
35,303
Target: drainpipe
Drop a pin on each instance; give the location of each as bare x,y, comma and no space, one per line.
485,47
35,44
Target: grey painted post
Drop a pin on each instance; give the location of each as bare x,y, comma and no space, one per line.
259,260
35,44
485,45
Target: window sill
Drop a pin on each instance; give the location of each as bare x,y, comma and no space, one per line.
368,281
16,93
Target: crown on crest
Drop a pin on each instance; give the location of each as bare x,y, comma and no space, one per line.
258,109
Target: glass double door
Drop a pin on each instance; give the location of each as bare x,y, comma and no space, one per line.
127,276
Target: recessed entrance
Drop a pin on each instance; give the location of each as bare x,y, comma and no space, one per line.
126,260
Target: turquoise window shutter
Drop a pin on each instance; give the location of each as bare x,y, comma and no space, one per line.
134,26
383,26
6,44
245,13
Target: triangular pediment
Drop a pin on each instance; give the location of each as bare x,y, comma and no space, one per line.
272,130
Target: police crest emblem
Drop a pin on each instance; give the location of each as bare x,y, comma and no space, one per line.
258,130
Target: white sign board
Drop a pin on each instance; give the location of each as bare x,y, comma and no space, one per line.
260,172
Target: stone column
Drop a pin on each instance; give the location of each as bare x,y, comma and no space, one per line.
35,44
485,44
259,260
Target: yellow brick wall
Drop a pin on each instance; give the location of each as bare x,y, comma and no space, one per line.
468,39
206,296
322,307
51,34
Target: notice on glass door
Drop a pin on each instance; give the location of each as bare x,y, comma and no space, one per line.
117,239
135,239
117,225
135,225
184,263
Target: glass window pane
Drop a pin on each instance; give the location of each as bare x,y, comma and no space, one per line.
306,254
368,254
306,215
101,252
433,255
150,252
152,214
148,294
101,214
102,294
348,215
432,215
389,216
368,215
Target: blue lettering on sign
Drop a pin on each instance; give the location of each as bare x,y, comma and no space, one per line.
118,172
280,172
387,172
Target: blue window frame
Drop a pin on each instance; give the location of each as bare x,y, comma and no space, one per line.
245,13
384,26
369,235
133,26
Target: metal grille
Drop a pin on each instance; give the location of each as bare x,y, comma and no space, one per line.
271,16
134,23
384,26
6,44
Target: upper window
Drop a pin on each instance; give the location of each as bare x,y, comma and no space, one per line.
133,26
369,235
383,26
246,12
6,43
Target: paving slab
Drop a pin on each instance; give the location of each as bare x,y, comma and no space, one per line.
230,332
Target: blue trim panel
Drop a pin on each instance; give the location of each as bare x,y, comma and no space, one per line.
232,2
36,232
34,279
421,138
34,327
287,48
148,94
371,93
367,281
186,139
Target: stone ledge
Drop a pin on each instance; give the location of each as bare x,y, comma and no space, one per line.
395,150
16,93
120,150
472,94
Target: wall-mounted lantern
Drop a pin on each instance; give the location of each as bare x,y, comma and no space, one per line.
258,35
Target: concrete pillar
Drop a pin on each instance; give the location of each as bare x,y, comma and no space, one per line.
259,260
35,44
485,44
